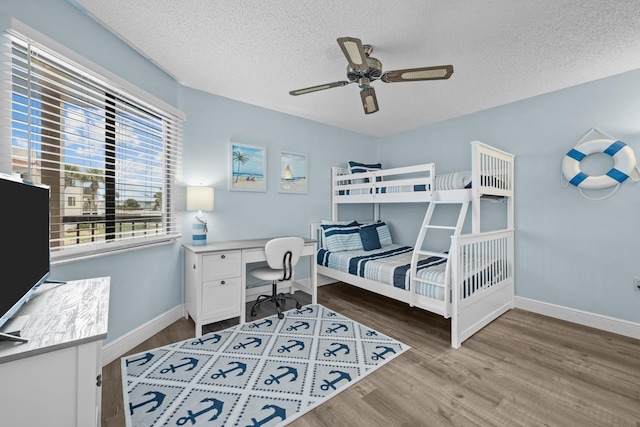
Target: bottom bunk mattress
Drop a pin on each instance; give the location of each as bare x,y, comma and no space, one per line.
389,265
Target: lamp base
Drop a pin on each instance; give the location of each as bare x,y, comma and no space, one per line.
198,234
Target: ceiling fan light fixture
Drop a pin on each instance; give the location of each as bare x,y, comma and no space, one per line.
369,101
363,69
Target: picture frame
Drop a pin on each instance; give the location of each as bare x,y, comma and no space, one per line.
247,167
293,170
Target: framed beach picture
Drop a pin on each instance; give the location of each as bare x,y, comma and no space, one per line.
247,167
293,172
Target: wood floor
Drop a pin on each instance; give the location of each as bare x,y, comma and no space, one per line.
521,370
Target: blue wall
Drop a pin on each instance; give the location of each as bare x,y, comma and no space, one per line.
570,251
146,283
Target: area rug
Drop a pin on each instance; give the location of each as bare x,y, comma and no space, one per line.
264,373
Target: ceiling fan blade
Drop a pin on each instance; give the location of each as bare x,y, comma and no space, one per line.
354,51
369,100
317,88
416,74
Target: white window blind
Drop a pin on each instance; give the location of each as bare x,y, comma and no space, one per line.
113,152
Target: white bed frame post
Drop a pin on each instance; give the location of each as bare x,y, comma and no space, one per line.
475,190
334,205
454,257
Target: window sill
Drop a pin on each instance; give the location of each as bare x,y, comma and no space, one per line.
101,250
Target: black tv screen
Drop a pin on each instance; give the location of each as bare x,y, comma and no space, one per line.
24,217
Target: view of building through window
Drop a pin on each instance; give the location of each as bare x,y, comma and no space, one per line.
109,159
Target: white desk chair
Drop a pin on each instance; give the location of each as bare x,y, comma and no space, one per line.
282,256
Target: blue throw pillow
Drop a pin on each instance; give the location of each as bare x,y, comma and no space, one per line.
383,232
369,237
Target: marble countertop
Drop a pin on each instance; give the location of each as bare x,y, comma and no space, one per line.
61,315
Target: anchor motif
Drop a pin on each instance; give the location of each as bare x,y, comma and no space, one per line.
238,366
378,356
252,340
371,333
277,412
147,357
215,405
296,343
157,399
190,361
289,371
214,337
334,352
337,327
299,324
331,314
257,325
332,384
304,310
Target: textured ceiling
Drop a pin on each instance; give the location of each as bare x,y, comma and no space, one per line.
257,51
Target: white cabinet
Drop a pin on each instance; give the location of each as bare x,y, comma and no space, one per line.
213,286
55,378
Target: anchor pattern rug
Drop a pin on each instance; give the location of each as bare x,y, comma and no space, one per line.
264,373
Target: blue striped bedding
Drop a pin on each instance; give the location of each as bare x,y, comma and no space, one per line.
389,265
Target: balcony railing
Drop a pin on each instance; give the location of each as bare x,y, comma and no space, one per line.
90,228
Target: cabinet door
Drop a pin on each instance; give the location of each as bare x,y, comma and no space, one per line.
220,265
221,299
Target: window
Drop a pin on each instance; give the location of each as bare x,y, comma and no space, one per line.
92,140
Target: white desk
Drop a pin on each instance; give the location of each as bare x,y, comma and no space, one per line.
216,278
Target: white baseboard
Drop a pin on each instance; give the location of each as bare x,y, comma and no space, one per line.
598,321
123,344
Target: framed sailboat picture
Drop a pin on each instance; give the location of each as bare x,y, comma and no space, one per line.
293,172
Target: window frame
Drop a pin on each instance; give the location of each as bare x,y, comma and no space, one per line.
171,169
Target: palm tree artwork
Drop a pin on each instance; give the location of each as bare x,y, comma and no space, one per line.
239,158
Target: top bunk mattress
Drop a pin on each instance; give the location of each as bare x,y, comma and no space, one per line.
442,182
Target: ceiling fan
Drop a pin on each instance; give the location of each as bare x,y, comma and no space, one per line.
364,69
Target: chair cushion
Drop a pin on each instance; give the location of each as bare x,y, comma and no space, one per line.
266,273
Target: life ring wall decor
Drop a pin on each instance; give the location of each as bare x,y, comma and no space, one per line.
624,164
624,161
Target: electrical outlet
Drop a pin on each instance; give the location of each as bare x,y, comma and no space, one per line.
636,284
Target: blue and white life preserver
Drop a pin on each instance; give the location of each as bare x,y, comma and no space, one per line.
624,162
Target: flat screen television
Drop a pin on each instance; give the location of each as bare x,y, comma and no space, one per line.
24,218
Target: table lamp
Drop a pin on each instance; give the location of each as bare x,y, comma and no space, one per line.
199,199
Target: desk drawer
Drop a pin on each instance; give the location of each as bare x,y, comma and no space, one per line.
221,299
221,264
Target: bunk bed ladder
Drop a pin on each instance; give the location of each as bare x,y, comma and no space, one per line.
419,253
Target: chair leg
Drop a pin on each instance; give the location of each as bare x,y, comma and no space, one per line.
275,298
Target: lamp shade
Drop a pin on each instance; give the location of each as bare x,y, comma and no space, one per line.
199,198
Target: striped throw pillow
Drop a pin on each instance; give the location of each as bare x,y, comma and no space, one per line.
342,237
355,167
383,232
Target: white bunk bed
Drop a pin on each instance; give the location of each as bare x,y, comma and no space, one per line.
473,282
